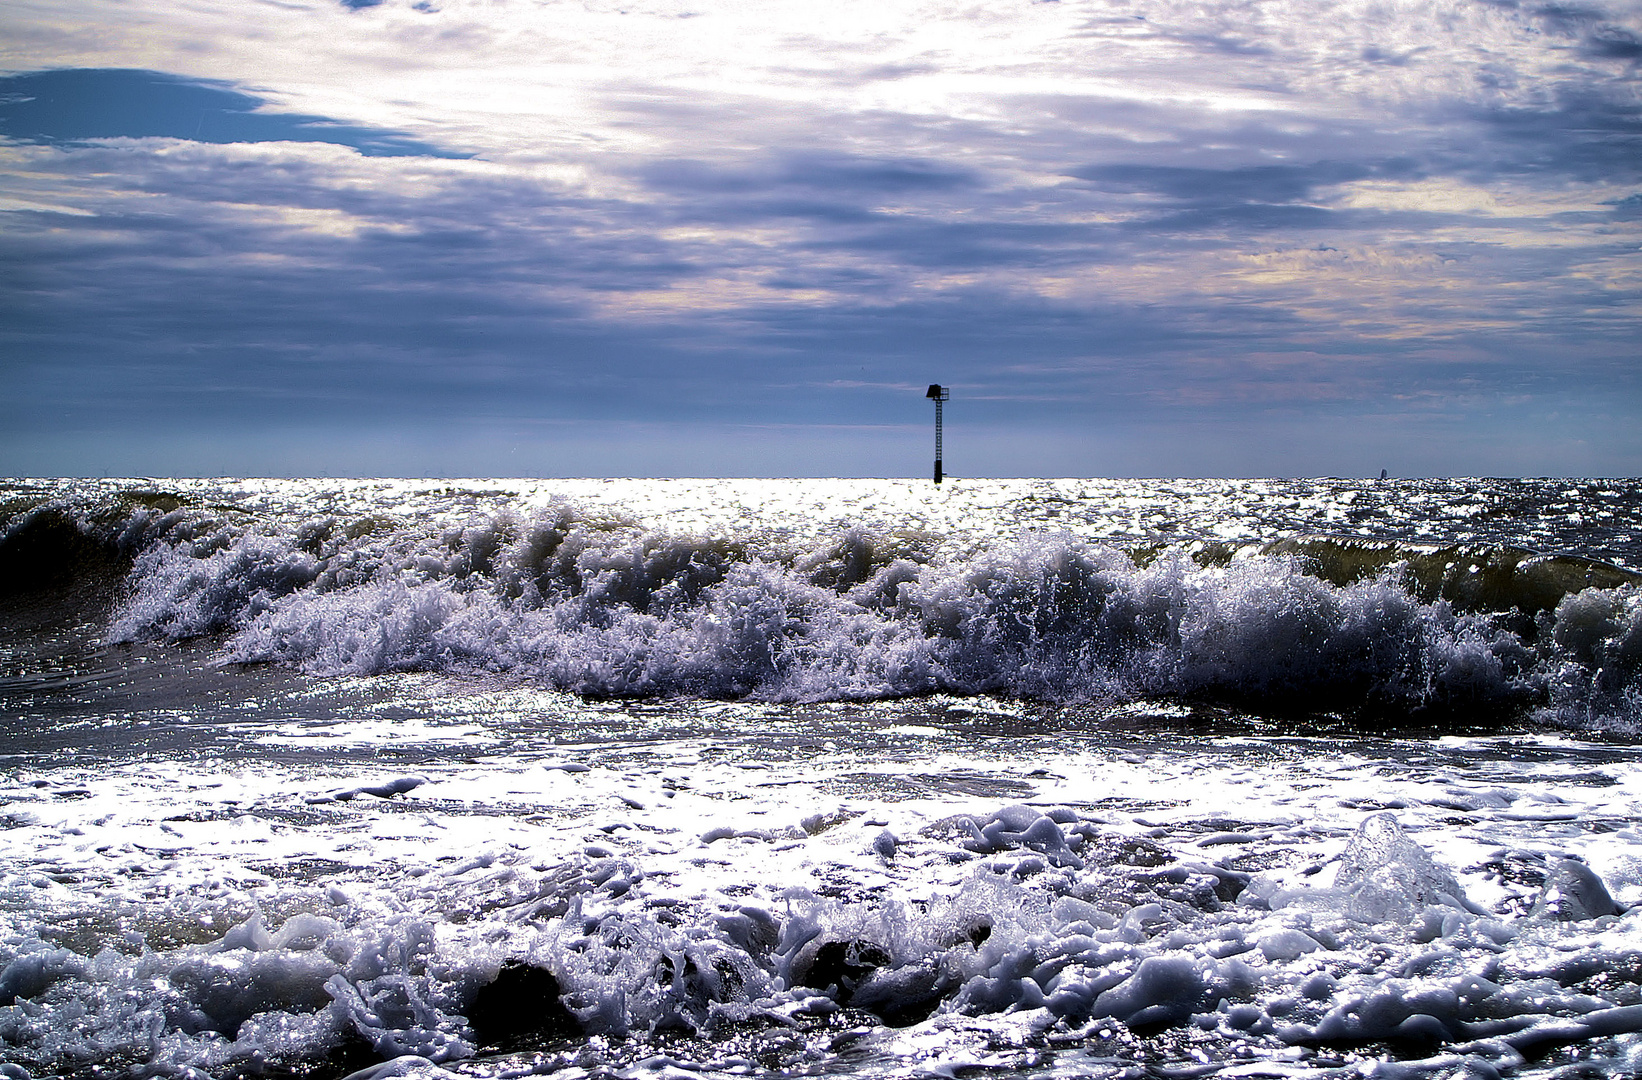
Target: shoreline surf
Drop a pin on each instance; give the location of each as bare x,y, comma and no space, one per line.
760,778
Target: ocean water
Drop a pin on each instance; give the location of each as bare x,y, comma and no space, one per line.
752,778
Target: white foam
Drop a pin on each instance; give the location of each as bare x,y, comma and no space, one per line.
731,883
1036,880
606,605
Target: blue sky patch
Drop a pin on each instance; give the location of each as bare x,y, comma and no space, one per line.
78,104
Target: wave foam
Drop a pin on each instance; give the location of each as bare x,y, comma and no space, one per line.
604,607
1099,947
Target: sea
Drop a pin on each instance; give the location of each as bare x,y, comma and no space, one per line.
711,779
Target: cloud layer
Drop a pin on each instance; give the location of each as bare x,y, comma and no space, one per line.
1153,238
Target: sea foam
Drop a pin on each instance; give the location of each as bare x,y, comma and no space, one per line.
615,608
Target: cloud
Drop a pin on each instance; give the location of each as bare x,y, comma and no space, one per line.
853,176
1585,137
1259,184
759,222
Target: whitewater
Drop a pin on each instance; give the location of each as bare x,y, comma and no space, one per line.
746,778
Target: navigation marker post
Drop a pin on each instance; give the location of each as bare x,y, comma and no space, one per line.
938,393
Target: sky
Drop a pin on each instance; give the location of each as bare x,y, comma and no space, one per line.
670,237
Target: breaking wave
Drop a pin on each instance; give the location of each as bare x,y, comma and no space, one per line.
603,606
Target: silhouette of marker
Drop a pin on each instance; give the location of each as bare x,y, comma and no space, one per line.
938,393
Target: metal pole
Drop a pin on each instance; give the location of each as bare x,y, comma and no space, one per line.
937,393
937,440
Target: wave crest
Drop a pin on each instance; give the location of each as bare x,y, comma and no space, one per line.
601,606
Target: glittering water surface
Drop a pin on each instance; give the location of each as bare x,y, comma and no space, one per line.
1100,778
